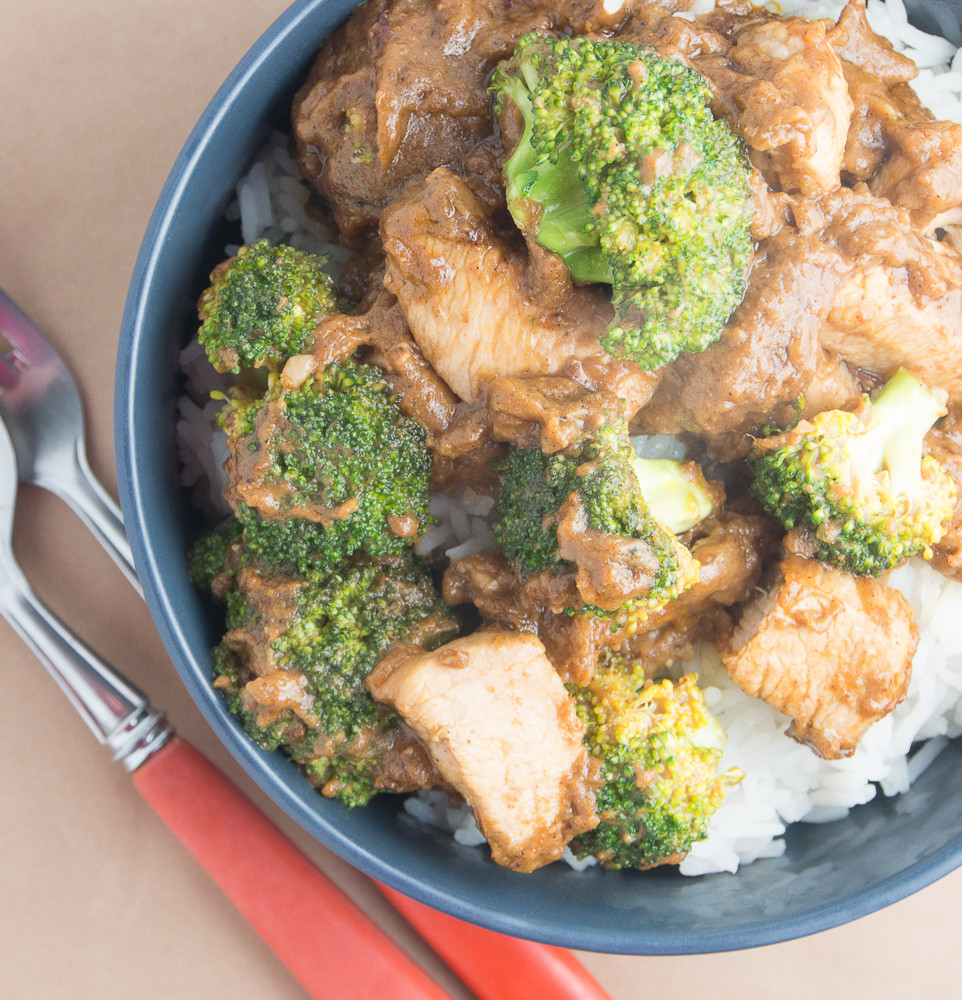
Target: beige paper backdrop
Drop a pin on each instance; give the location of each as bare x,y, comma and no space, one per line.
97,899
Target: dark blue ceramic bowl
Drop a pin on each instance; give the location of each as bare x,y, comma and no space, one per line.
828,875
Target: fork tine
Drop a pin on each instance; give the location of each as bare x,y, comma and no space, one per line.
20,331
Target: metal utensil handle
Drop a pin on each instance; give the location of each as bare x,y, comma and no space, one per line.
77,486
117,712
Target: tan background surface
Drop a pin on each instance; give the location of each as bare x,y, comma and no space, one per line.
97,899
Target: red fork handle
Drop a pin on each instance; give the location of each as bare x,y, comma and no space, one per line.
494,966
327,942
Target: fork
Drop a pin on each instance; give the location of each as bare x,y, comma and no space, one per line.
330,945
116,712
40,404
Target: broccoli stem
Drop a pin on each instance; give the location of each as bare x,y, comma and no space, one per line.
566,217
552,194
673,497
900,417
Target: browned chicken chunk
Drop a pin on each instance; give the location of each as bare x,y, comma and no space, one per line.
535,605
783,89
923,172
877,78
463,292
768,356
503,732
895,143
832,651
901,303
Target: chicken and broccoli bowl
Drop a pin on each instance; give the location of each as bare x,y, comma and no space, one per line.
584,385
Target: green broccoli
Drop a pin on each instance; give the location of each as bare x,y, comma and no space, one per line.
533,488
262,306
855,485
208,557
327,468
298,649
658,749
614,494
623,171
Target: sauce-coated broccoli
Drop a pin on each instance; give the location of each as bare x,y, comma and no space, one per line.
263,305
298,649
606,495
208,556
658,749
622,170
856,485
327,468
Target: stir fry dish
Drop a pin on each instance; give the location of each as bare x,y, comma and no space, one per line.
654,317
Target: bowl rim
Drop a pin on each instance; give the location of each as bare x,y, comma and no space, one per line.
645,941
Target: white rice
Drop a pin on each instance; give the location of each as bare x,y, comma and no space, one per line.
784,781
272,203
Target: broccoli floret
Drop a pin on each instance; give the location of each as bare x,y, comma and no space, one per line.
856,485
658,749
298,649
334,467
262,306
208,556
533,488
621,495
623,171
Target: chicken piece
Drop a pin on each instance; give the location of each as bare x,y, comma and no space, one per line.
554,412
503,732
876,108
854,41
916,161
783,90
550,412
901,302
877,78
535,605
464,295
731,547
832,651
887,318
923,172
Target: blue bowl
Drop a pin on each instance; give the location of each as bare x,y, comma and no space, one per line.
828,875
